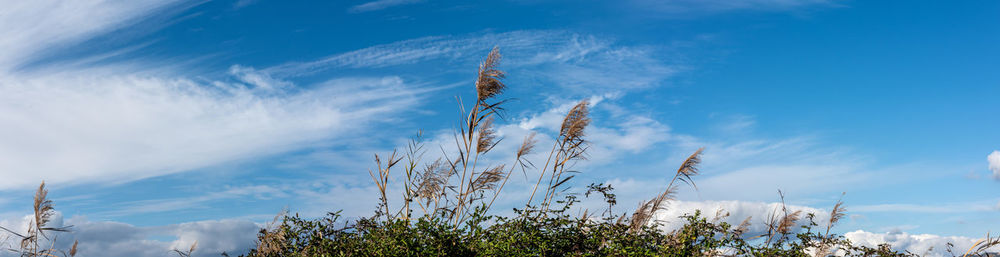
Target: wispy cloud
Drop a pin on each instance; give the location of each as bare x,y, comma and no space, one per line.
586,64
120,121
81,127
380,4
29,27
684,8
994,161
243,3
927,208
256,192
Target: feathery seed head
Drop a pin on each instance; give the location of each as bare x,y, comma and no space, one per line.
690,167
527,145
487,136
575,121
489,178
786,224
72,250
488,84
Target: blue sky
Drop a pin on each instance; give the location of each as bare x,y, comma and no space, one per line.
165,122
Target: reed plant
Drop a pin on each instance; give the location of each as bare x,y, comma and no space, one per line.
456,192
39,232
453,196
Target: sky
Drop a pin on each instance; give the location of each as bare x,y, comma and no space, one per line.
155,124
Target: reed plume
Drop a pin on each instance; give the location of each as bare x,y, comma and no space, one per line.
788,221
781,225
645,212
574,123
487,180
72,250
476,131
743,227
29,241
431,182
526,146
488,83
43,208
272,238
570,145
836,214
487,137
194,246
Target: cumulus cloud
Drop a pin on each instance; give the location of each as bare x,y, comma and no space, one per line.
734,212
994,160
116,239
923,244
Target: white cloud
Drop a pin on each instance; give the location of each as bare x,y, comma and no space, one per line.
87,126
929,208
380,4
243,3
759,212
120,122
257,192
116,239
994,160
262,80
694,7
924,244
32,27
586,64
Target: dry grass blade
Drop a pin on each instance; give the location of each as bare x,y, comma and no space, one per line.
382,178
526,146
980,247
488,83
562,181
